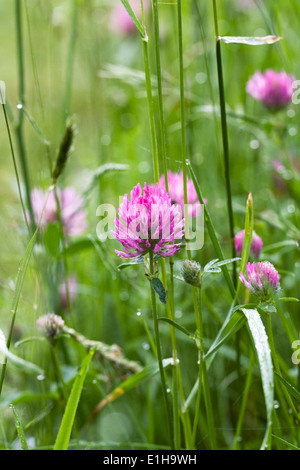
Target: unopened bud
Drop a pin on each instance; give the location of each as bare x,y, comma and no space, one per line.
191,272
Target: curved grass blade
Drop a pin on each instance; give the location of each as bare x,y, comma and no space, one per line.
19,429
292,390
176,325
263,352
212,232
64,433
134,18
129,384
250,40
17,361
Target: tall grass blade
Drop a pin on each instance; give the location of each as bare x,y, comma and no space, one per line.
65,430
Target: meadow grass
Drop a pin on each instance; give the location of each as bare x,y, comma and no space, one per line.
155,361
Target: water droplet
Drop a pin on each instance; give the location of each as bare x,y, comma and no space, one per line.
40,377
178,314
276,404
146,346
254,144
139,313
168,390
19,106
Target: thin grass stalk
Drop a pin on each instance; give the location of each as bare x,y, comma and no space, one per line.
19,123
175,369
15,167
70,61
237,436
225,139
203,378
18,290
159,351
282,391
159,87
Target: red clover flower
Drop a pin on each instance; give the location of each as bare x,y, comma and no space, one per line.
148,222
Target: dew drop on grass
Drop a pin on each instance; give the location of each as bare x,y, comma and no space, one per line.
276,404
40,377
146,346
19,106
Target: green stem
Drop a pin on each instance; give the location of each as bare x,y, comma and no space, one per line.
159,351
159,87
19,124
225,139
15,168
70,61
203,377
57,371
244,401
150,110
183,124
170,305
281,390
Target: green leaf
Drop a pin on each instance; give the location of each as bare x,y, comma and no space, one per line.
52,239
260,339
289,299
158,287
64,433
250,41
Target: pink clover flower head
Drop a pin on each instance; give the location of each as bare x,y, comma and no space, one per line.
120,19
148,221
273,89
71,205
263,279
256,243
176,191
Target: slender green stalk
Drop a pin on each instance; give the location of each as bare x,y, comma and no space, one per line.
19,124
182,120
170,305
15,167
70,61
281,389
225,139
159,87
159,351
244,401
203,378
57,371
150,110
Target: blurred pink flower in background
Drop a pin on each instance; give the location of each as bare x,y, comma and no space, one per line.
263,279
69,285
176,191
120,19
256,243
71,205
273,89
148,221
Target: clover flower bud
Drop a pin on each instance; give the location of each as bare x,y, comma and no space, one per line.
50,325
191,272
